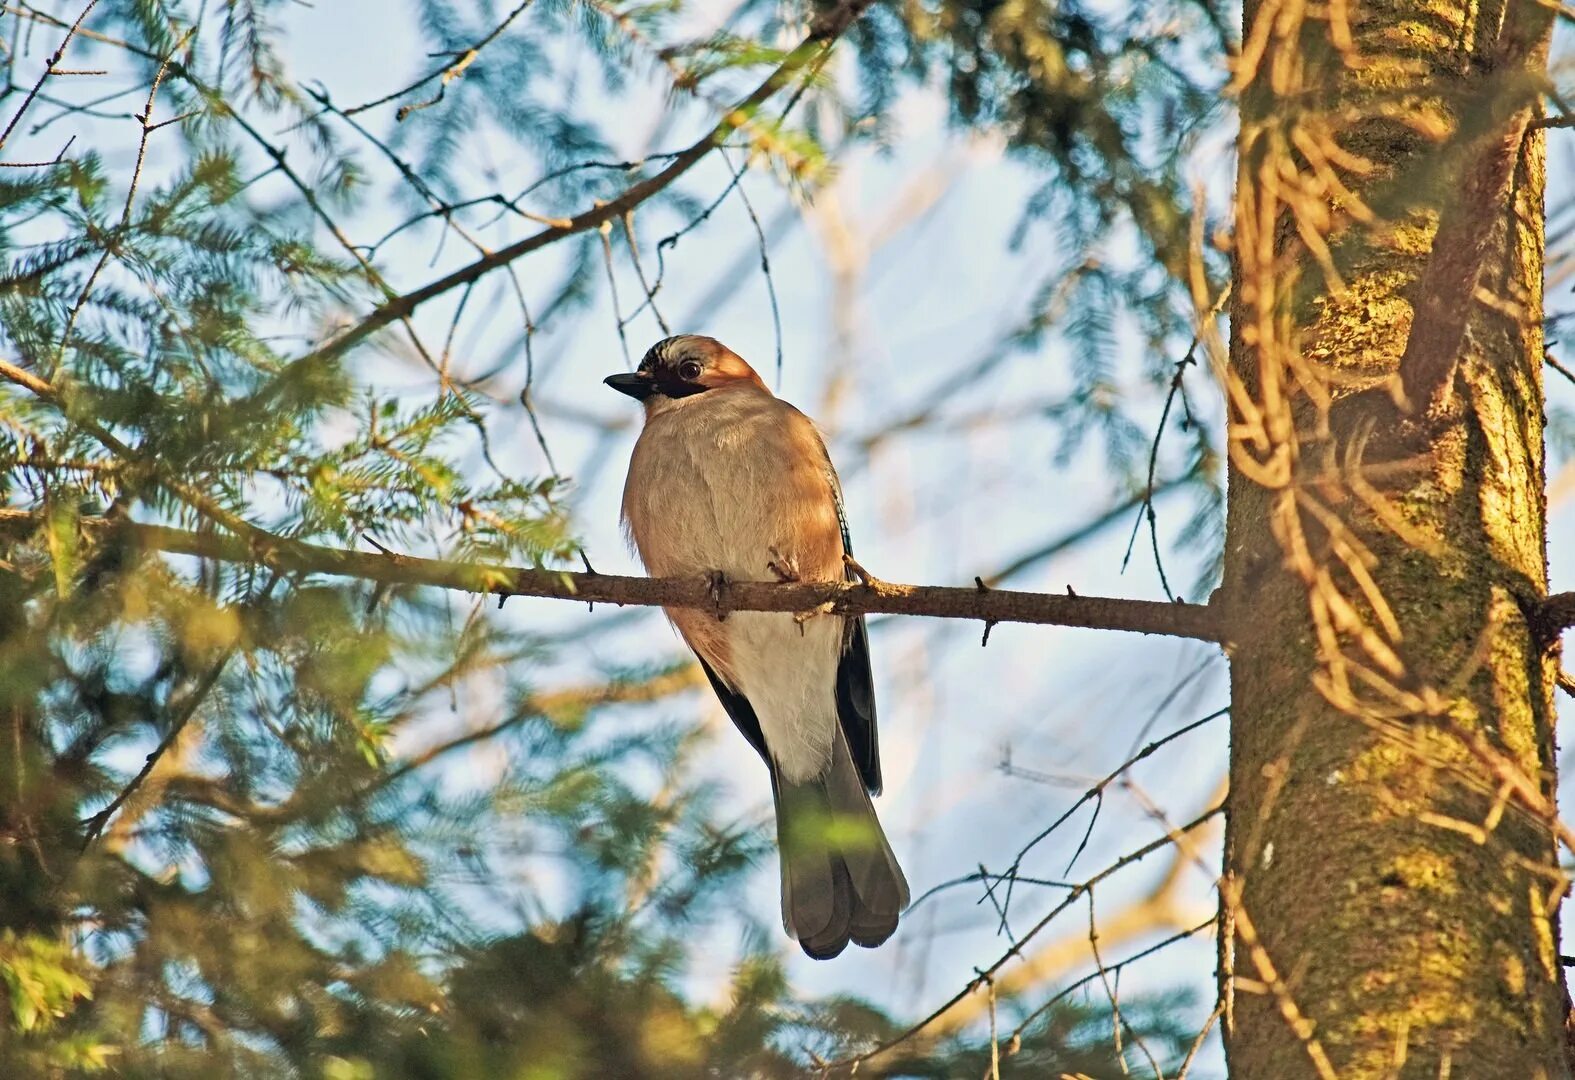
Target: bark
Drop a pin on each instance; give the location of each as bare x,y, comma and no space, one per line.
1397,902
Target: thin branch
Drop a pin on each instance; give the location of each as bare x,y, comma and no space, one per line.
639,269
448,73
95,824
1197,1044
1029,559
884,1050
58,159
869,596
619,321
145,119
1176,388
49,69
822,35
1096,794
765,258
1553,362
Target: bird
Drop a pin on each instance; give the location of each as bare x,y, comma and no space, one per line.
728,481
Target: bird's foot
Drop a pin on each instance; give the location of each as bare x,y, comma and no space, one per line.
717,584
785,567
802,617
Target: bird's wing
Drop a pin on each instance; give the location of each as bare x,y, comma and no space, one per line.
856,705
740,710
855,684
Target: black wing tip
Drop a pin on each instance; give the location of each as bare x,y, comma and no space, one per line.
825,946
869,932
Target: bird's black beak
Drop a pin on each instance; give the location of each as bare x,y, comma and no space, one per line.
634,384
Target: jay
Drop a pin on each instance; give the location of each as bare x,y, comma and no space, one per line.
729,481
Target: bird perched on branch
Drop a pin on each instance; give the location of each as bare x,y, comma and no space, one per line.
729,481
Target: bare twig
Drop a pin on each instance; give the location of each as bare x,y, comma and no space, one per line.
148,127
1096,792
885,1050
1176,388
1197,1044
1070,988
49,69
1553,362
1035,556
765,259
448,73
58,159
94,825
639,270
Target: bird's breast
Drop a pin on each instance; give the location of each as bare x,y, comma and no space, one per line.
736,484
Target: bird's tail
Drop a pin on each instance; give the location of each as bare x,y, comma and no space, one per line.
840,880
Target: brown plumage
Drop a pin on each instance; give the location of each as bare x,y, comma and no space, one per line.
727,479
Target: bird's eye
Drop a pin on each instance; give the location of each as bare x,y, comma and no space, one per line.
689,369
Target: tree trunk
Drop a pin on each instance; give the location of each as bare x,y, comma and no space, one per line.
1391,885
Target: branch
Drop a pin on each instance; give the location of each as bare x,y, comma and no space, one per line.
870,596
822,35
50,68
555,705
887,1051
1555,615
1159,908
448,73
93,826
1029,559
1444,294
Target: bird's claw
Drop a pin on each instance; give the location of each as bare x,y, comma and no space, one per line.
802,617
784,567
717,585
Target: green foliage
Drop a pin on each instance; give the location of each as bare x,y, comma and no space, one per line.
43,978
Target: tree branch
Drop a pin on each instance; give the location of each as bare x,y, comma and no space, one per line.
1444,294
50,68
888,1051
870,596
1555,615
448,72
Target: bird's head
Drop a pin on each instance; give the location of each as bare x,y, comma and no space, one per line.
680,367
